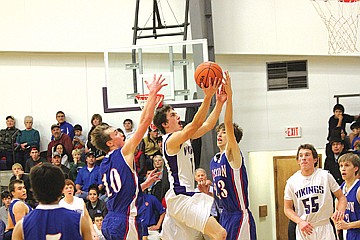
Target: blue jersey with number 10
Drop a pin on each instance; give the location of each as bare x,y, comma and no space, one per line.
121,185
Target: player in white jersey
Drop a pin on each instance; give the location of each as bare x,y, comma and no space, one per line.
188,213
309,191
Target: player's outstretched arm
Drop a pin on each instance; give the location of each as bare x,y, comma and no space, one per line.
210,122
232,149
147,115
85,228
18,231
190,129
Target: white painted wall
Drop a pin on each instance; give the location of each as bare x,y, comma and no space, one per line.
261,27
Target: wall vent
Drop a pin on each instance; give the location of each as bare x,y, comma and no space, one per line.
287,75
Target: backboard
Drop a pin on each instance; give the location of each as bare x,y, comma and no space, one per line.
127,68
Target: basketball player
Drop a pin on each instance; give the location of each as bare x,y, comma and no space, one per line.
349,168
49,220
230,177
119,175
309,191
188,213
18,208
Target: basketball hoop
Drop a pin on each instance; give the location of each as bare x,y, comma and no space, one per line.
142,99
341,18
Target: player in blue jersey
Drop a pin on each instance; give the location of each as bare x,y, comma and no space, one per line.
119,174
188,213
349,167
230,178
49,220
18,208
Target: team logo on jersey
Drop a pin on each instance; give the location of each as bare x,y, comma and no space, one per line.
309,190
219,172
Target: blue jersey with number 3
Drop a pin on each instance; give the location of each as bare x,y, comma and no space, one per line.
230,185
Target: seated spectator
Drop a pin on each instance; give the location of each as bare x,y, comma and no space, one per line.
95,205
331,161
98,219
34,159
96,120
355,137
7,141
339,119
59,137
18,173
65,127
79,139
128,128
65,159
153,214
88,175
140,163
4,210
56,160
76,165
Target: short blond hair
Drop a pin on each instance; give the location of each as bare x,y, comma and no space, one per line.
17,165
76,151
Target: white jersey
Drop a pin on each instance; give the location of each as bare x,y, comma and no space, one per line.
181,168
77,205
311,195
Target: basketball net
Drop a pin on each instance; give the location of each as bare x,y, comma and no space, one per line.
142,99
341,18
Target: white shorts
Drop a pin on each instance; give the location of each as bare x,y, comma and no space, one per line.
185,216
322,232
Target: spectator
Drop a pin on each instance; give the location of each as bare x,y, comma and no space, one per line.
7,141
129,128
65,159
95,205
65,127
88,175
4,210
98,219
79,139
27,138
59,137
153,214
56,160
331,161
355,137
96,120
34,159
76,165
150,146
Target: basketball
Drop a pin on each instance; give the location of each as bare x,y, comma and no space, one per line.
205,71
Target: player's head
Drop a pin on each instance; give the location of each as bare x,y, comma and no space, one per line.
106,138
352,159
238,132
17,189
307,151
69,189
47,182
166,117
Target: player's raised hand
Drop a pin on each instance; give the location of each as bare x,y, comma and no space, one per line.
227,84
156,84
214,85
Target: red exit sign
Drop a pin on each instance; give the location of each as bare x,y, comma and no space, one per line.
291,132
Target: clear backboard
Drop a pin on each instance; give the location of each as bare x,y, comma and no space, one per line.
127,68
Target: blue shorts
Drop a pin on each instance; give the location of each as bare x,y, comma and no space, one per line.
120,227
238,225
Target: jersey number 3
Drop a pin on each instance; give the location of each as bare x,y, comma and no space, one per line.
311,205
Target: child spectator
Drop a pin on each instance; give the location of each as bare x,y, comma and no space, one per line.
98,219
76,165
79,139
4,210
355,137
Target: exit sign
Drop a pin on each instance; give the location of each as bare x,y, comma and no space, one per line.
292,132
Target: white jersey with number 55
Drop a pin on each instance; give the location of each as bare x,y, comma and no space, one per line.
311,195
